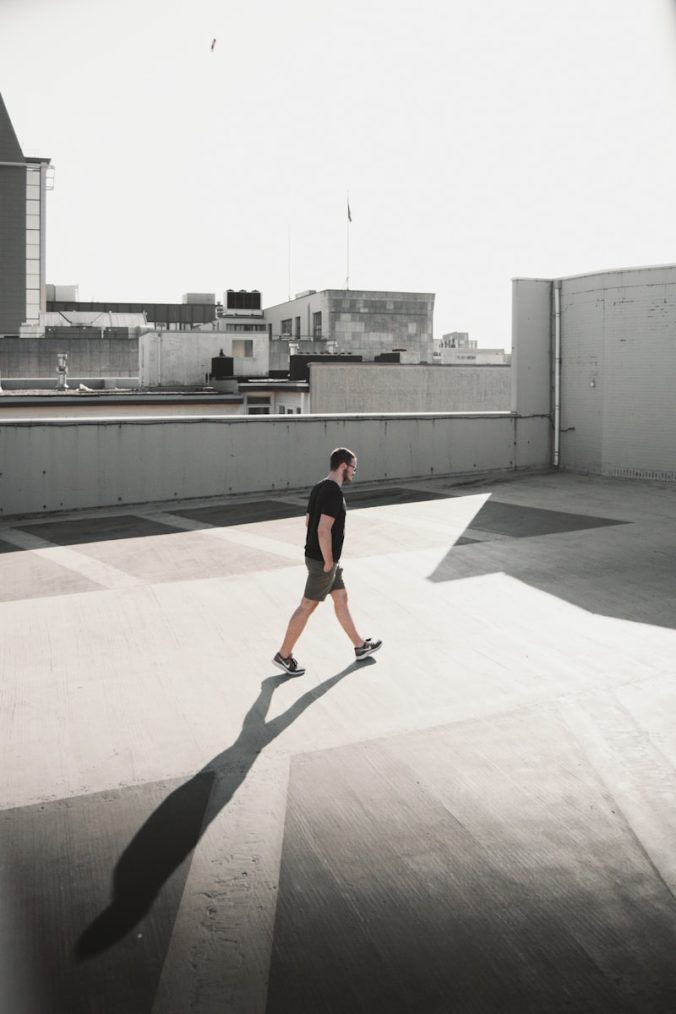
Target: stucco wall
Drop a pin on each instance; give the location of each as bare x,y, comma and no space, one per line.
618,368
87,357
69,464
12,247
182,358
619,335
381,387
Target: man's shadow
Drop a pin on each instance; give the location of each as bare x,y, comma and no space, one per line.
173,830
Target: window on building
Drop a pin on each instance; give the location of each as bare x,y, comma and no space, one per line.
317,324
241,328
297,332
286,327
258,405
242,348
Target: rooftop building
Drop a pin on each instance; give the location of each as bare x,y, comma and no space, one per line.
23,188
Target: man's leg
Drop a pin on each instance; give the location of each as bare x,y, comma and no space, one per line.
297,625
344,618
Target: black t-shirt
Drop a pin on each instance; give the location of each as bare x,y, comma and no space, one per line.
326,498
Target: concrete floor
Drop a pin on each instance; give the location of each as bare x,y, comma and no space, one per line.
480,818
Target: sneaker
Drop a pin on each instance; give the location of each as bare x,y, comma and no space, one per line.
367,648
289,665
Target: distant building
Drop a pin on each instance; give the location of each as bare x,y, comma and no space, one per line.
196,309
457,347
23,185
363,322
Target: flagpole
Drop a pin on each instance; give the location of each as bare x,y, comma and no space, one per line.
288,260
349,219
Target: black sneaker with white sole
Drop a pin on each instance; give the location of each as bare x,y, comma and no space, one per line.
367,648
290,665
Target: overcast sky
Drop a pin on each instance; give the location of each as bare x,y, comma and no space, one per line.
479,140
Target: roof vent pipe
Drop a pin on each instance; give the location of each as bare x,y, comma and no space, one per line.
557,371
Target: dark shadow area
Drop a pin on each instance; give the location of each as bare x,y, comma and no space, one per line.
224,515
441,874
631,582
110,527
389,496
97,529
173,830
520,522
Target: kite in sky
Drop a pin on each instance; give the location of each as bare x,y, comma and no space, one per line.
213,45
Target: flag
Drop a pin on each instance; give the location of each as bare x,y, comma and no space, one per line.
349,213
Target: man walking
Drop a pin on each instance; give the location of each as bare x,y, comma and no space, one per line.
325,523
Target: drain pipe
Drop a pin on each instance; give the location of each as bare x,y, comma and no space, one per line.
557,371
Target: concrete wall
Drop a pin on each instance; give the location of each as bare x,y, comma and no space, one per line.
371,322
67,463
182,358
619,335
12,408
380,387
365,322
87,357
12,248
531,345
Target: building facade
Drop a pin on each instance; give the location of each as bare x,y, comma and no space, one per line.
23,186
363,322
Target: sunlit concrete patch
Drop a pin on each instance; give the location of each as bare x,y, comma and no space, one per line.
479,867
185,556
96,573
37,575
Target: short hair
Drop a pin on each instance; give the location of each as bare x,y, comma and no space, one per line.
341,456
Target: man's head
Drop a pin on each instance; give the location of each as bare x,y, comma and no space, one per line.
344,461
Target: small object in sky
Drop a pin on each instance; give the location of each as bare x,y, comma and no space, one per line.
213,45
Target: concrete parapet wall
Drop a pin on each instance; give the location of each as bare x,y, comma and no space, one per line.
67,464
385,388
87,357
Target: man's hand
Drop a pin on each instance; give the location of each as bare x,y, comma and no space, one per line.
328,567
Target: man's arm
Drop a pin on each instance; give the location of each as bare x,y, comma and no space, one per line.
324,536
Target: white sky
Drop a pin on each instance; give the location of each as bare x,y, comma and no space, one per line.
480,140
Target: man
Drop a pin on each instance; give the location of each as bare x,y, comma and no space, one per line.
325,523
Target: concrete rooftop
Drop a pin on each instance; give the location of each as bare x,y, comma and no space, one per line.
480,818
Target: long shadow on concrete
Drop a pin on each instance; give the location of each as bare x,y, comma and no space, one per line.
173,830
597,568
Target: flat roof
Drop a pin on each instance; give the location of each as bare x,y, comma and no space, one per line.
478,816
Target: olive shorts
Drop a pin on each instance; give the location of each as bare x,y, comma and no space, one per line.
319,584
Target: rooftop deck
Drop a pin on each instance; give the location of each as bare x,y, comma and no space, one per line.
479,818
